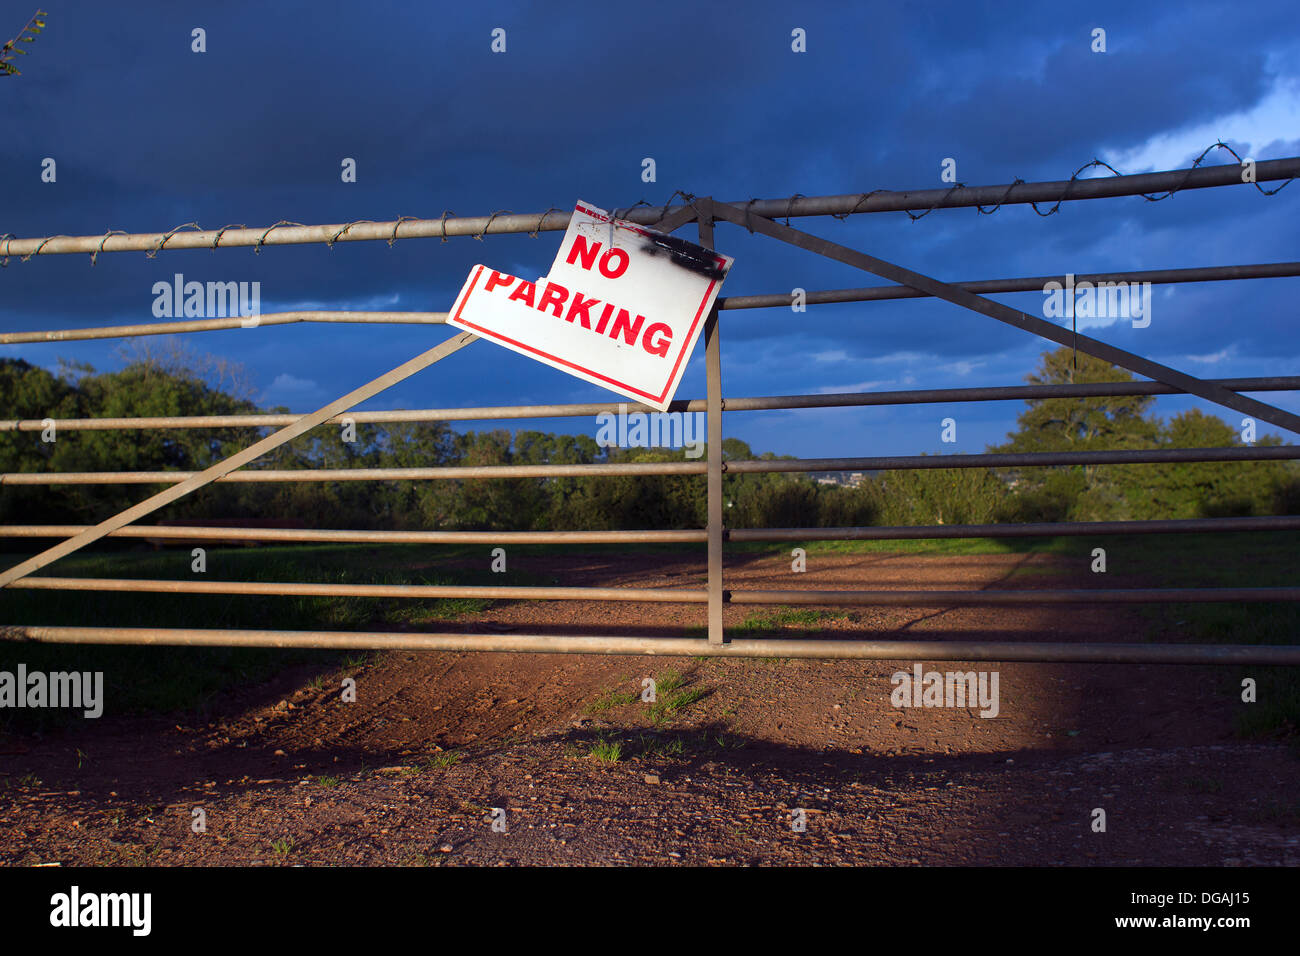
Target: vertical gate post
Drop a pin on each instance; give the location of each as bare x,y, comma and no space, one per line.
713,368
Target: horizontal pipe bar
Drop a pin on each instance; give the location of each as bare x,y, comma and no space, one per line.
398,415
884,533
995,393
1044,529
254,476
1019,460
416,591
896,463
782,300
671,595
999,598
1004,393
330,536
506,222
1062,653
1267,270
233,322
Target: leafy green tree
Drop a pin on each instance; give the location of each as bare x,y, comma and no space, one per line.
1105,492
1201,489
849,507
28,392
940,496
1076,424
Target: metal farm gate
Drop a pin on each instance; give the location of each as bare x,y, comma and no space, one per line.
757,216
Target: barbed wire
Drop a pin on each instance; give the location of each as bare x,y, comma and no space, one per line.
153,253
1095,163
220,232
688,198
329,243
257,247
532,235
443,220
112,232
486,226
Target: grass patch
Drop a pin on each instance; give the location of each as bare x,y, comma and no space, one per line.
140,679
672,696
666,708
783,618
606,751
166,679
442,760
1261,559
610,699
954,546
728,742
653,747
1254,559
668,681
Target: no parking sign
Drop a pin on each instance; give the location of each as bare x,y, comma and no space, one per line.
622,306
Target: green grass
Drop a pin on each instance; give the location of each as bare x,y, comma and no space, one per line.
786,617
910,546
139,679
610,699
1246,559
351,564
1264,559
663,711
166,679
668,681
329,783
653,747
442,760
282,847
606,751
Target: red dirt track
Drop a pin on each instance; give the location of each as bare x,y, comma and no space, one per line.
287,773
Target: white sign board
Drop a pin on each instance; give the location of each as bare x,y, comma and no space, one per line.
621,307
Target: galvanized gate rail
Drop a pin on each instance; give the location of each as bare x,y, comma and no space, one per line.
757,216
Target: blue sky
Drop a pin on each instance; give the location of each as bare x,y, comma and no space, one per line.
148,135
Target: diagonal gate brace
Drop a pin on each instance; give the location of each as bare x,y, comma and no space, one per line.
237,460
1004,313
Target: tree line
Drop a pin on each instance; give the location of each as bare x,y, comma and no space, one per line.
151,385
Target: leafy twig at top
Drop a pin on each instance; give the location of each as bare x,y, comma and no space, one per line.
13,48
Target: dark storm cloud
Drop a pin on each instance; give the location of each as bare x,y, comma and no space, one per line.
149,135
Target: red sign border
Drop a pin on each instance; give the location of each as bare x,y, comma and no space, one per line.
456,318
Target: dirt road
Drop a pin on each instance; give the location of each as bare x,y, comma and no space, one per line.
535,759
